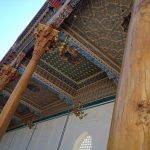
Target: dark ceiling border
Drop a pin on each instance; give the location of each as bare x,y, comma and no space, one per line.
100,102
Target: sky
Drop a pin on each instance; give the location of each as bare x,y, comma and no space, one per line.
15,15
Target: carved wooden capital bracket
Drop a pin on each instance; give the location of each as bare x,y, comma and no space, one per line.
7,74
45,35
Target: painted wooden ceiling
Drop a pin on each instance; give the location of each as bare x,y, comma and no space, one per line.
98,30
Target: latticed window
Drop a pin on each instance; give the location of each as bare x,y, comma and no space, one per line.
86,143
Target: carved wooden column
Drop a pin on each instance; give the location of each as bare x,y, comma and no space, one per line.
45,35
130,129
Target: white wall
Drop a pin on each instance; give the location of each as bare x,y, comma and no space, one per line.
47,134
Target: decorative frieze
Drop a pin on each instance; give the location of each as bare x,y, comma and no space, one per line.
98,90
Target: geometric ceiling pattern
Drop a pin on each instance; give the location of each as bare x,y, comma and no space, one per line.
101,25
97,30
37,95
37,101
76,73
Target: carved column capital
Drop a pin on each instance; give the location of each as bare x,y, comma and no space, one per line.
45,35
7,74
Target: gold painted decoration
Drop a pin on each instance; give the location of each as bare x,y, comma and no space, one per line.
78,111
70,53
29,122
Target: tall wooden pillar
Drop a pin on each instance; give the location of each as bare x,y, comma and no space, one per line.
45,35
130,129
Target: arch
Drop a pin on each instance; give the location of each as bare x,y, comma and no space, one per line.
83,142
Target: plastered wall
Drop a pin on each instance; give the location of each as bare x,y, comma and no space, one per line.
46,135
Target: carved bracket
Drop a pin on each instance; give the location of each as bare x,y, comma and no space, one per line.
7,74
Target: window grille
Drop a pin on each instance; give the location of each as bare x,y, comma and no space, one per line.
86,143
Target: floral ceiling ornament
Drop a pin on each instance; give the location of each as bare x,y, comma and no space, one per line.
30,123
78,111
70,53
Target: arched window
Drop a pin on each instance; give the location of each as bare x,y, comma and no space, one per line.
83,142
86,143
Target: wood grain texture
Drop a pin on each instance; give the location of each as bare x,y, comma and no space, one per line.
130,129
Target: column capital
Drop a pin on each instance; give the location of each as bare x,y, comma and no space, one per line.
7,74
45,35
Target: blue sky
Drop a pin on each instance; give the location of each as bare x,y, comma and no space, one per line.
14,17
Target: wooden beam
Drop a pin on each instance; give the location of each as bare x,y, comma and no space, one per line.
130,129
54,110
7,74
